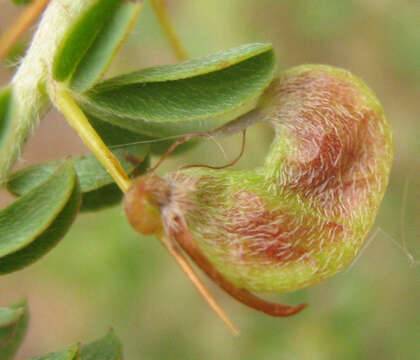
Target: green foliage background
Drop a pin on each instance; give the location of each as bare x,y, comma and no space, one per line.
105,275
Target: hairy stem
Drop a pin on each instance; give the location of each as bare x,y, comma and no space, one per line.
28,87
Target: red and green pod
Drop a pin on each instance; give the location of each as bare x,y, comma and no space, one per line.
303,215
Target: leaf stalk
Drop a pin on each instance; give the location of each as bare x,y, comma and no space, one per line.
78,120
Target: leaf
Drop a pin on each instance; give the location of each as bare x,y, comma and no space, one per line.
21,2
97,186
5,96
107,348
80,37
19,222
92,175
106,196
94,64
9,316
71,353
197,95
33,224
13,325
114,135
188,69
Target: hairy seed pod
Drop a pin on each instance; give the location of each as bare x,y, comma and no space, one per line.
303,215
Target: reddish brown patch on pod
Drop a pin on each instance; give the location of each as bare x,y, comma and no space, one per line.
335,133
273,235
264,233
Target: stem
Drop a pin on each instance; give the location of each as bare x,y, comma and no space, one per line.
78,120
192,275
28,87
165,22
25,19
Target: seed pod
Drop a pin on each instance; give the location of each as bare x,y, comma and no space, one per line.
303,215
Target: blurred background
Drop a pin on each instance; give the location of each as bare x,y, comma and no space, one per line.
105,275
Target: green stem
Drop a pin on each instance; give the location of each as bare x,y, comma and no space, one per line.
78,120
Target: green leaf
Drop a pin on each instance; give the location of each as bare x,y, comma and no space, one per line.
92,175
13,325
188,69
33,224
71,353
97,186
107,348
9,316
5,96
100,189
21,2
197,95
94,64
19,223
114,135
80,37
106,196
